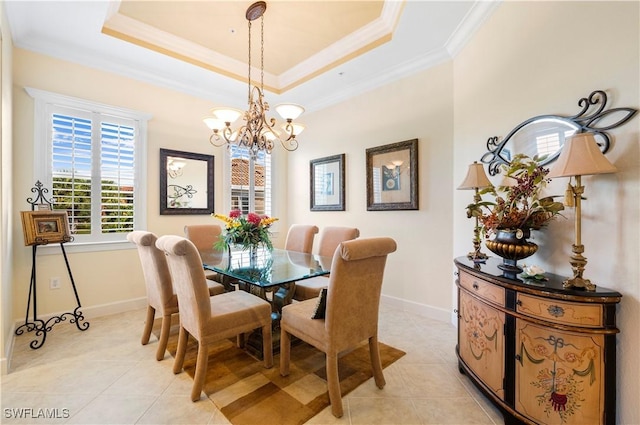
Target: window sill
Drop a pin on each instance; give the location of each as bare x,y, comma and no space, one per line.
76,247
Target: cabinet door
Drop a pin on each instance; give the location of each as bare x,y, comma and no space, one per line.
481,341
559,375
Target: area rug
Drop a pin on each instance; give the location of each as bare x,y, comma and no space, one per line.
247,393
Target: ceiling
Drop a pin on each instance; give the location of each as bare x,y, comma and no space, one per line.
316,52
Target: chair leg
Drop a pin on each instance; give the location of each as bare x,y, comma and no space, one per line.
201,371
148,325
164,336
376,364
333,382
285,352
183,337
267,346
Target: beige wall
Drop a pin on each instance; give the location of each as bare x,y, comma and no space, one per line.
419,107
534,58
6,253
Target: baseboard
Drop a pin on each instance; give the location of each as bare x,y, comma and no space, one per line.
424,310
88,313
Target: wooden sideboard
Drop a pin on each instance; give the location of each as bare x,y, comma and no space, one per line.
541,353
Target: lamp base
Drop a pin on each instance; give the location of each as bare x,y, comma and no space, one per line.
578,282
477,257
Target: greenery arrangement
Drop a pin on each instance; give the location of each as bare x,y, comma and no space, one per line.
518,204
245,230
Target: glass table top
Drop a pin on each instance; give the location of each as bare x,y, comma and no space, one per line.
266,268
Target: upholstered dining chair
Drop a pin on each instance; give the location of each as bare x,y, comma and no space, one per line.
351,315
300,238
161,296
330,238
204,236
210,319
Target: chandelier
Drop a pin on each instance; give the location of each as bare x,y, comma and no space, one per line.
258,133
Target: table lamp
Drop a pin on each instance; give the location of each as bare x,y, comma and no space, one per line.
476,179
580,156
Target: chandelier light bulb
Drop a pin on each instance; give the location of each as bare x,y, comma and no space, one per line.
289,111
214,124
227,115
296,127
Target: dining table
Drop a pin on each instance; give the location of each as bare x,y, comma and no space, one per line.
270,274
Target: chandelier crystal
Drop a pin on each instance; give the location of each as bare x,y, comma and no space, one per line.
258,133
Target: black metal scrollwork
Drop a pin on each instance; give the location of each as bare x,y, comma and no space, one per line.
179,191
40,326
591,118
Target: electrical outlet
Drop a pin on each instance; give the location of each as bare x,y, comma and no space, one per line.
54,283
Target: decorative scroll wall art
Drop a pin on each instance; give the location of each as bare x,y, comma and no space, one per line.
544,135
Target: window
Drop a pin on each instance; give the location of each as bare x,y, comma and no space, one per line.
92,156
250,181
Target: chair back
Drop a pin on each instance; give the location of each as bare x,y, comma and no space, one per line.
332,236
300,238
189,282
355,283
203,236
157,277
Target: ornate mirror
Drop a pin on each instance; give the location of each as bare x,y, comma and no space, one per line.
544,135
186,183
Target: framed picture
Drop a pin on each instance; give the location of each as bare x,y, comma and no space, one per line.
327,183
392,176
44,227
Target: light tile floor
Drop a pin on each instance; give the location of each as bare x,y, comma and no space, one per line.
105,376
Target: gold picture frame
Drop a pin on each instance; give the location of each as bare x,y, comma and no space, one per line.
45,227
392,176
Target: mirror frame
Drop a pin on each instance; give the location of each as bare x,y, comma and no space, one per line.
583,121
164,208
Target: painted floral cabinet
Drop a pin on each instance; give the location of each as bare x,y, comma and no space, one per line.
541,353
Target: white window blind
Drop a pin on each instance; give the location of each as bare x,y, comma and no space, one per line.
93,163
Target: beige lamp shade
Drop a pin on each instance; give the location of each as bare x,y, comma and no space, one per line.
581,156
476,177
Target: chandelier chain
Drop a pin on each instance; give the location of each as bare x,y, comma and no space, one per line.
262,53
249,76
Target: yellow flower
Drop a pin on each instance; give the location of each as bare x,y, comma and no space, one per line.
268,221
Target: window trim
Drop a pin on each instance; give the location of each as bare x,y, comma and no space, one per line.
43,101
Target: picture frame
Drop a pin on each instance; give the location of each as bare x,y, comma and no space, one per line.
45,227
327,183
392,176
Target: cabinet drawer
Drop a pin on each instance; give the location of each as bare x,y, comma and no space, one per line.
568,313
483,289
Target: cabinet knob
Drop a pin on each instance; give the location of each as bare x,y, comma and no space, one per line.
475,286
519,358
519,303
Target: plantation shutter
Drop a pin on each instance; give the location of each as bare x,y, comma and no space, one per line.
117,154
71,168
93,171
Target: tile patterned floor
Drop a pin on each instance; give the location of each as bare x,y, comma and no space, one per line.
104,376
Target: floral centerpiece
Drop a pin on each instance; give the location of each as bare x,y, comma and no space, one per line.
518,204
247,231
517,208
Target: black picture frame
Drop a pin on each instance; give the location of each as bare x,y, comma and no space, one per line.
177,193
327,183
392,176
